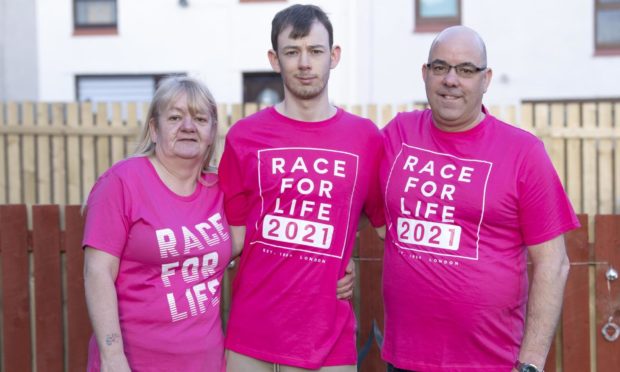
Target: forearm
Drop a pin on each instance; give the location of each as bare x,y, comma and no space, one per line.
544,307
102,304
238,237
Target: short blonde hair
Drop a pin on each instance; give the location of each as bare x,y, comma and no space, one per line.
199,100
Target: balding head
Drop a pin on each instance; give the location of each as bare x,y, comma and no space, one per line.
461,37
456,77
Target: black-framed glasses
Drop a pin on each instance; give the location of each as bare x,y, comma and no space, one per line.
464,70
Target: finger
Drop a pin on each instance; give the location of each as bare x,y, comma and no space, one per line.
345,288
345,296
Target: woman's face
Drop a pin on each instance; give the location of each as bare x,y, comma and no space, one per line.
179,134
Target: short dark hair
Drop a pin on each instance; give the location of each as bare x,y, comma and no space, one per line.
301,17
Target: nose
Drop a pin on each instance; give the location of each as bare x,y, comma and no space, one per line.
304,60
451,78
187,124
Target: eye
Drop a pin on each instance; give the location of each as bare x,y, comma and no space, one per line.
439,68
204,120
174,117
466,70
317,51
290,53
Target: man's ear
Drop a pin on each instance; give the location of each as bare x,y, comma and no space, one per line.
273,59
335,56
488,75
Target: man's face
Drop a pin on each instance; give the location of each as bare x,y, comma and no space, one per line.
456,101
304,63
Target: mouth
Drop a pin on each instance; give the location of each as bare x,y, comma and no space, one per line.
449,97
305,79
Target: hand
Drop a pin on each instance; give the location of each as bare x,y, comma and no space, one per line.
115,363
344,291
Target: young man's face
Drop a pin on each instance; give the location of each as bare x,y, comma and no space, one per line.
304,63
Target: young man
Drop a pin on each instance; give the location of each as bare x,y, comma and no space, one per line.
467,197
296,178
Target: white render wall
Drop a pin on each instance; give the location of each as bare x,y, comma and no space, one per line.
18,50
537,49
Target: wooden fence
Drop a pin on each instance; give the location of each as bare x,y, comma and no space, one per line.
53,153
588,301
45,325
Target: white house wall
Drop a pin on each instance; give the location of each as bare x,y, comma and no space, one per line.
537,49
18,50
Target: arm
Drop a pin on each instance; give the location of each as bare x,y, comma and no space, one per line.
238,236
550,268
100,271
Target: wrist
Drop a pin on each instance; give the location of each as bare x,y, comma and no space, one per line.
520,366
111,346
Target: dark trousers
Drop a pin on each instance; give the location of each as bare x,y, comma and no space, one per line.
391,368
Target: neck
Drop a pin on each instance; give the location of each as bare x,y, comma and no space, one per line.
310,110
179,175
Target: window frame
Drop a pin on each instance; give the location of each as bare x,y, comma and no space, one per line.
156,79
604,49
435,24
98,28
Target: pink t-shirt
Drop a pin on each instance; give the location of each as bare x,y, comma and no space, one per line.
460,210
173,251
299,188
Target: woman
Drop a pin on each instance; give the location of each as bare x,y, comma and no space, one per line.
157,244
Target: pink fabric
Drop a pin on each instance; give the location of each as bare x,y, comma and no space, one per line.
299,188
460,210
173,251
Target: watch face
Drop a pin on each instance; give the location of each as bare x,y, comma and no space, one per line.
528,368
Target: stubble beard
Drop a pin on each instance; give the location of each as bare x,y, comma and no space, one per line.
306,92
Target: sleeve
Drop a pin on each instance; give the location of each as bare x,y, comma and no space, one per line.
373,206
231,183
107,226
545,211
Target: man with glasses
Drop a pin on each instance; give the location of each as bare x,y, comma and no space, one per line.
467,197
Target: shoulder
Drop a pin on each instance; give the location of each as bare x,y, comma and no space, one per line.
360,123
250,122
515,134
127,167
407,118
131,167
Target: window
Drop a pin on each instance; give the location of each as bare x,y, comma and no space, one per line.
94,16
264,88
435,15
607,26
116,88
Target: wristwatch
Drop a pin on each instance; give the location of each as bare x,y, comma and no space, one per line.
526,367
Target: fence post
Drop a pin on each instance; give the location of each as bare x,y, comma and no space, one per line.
78,327
15,288
371,300
575,315
607,250
47,288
